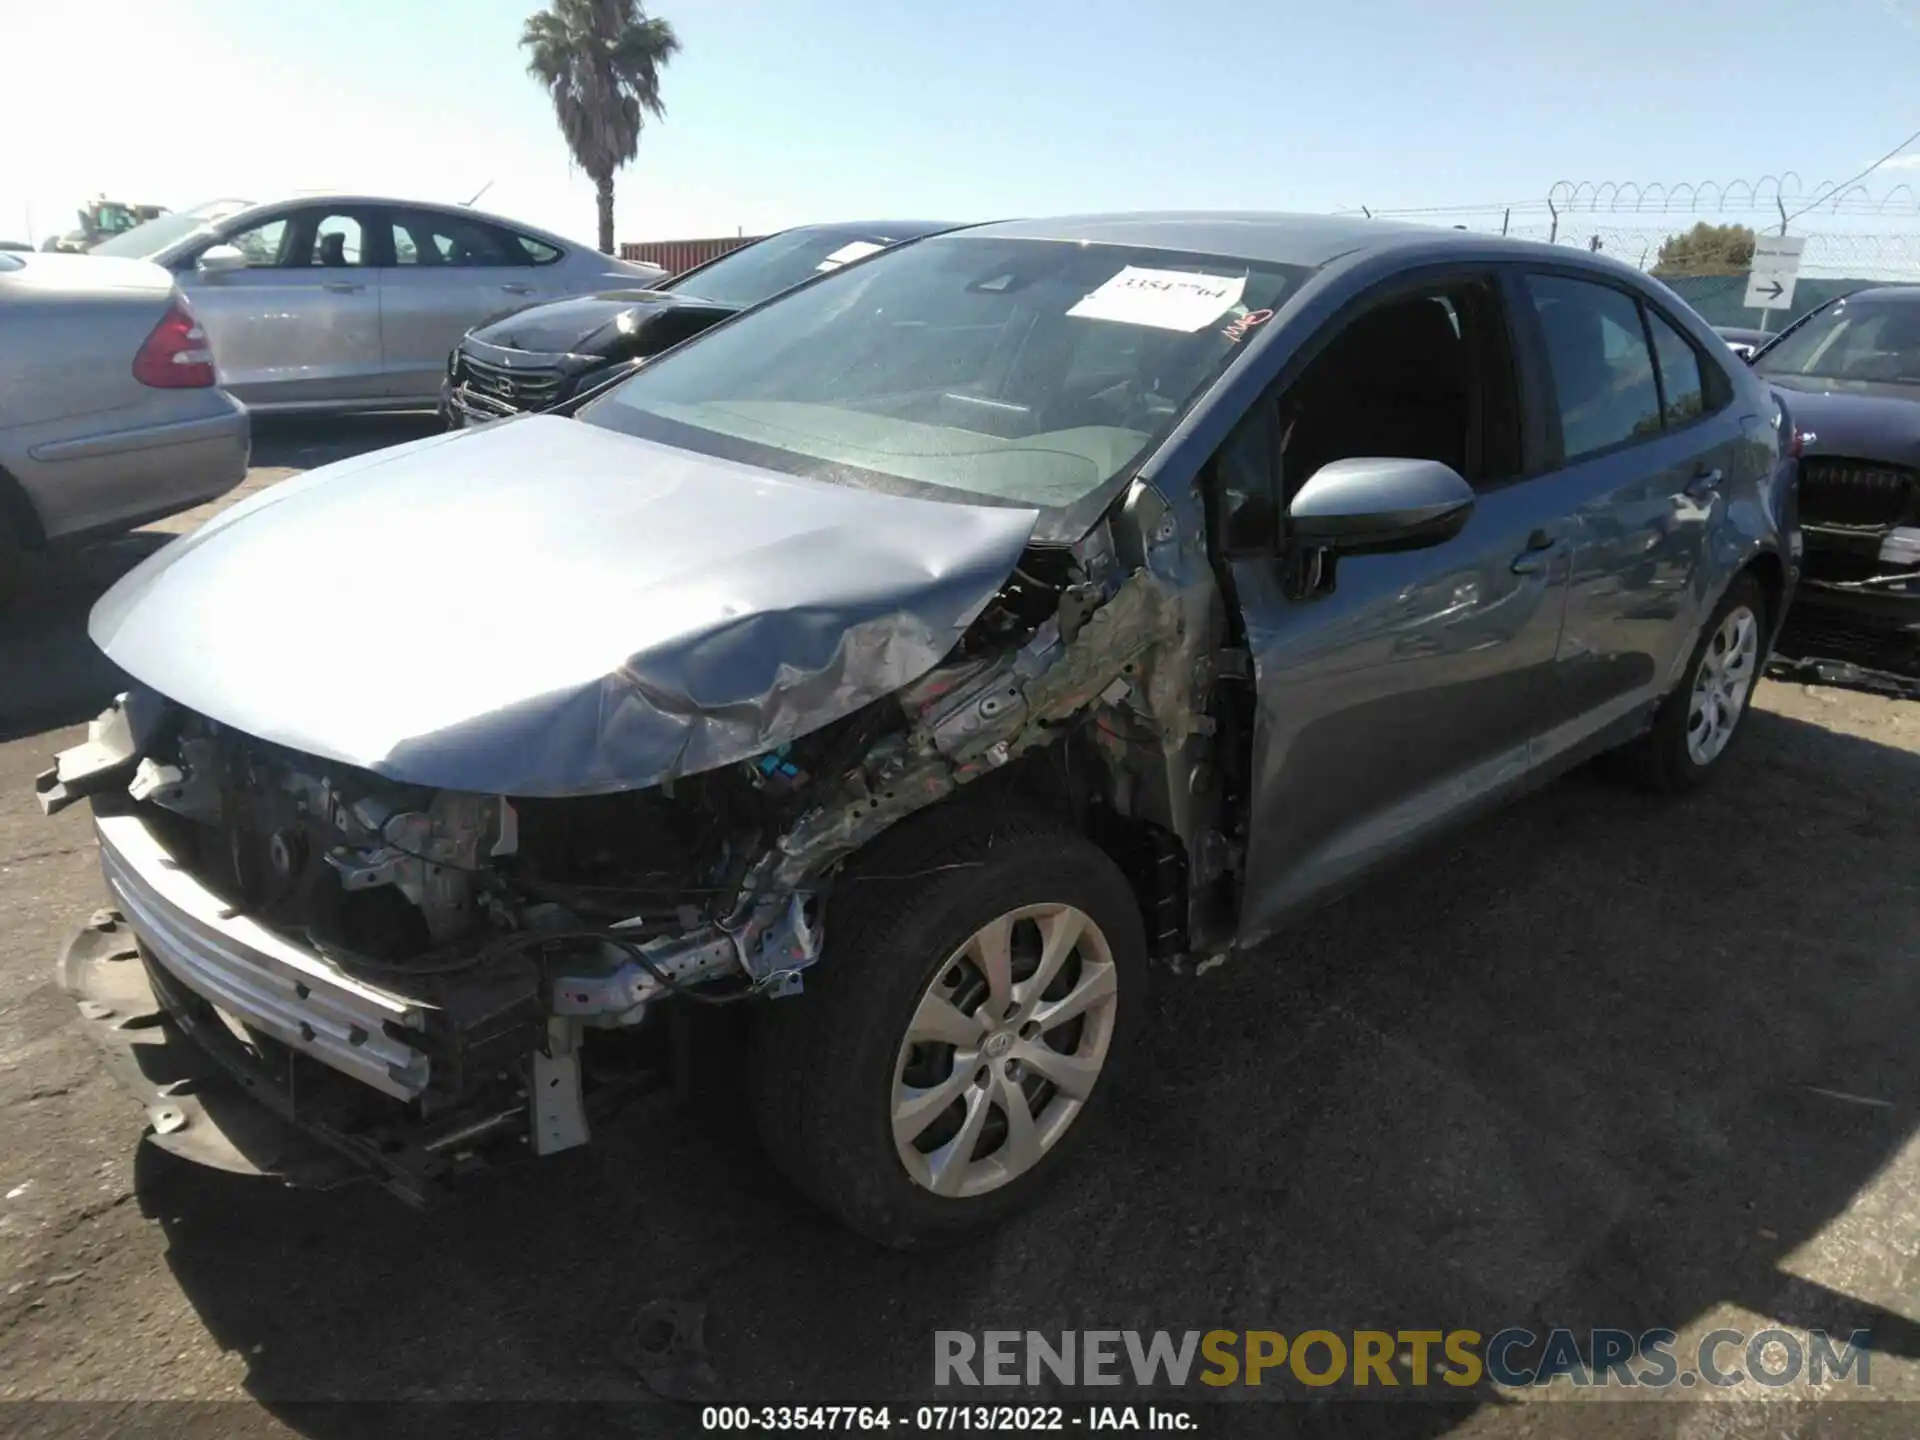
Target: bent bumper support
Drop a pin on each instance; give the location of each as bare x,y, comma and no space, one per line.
211,1099
196,1108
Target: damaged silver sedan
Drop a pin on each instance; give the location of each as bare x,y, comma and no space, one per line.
917,658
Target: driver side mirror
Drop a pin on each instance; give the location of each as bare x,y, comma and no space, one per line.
1374,505
220,259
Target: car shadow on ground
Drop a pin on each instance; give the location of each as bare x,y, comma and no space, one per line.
302,442
51,674
1604,1060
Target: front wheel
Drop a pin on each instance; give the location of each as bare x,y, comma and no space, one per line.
960,1034
1697,723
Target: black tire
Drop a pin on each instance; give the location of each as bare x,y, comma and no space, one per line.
1661,760
825,1062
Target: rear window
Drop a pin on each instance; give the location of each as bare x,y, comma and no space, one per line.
538,252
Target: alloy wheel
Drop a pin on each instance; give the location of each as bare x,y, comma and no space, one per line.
1003,1050
1722,684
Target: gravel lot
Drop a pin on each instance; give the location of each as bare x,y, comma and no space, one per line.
1602,1060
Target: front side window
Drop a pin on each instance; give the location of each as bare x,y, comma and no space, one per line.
337,240
1601,367
263,245
1851,340
1422,376
1027,372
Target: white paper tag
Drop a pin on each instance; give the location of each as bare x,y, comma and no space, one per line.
849,253
1164,299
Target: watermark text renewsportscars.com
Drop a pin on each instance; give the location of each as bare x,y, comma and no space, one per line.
1395,1359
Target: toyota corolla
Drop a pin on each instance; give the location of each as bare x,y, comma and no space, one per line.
921,659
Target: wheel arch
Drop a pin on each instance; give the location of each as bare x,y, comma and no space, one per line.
1069,781
17,509
1770,573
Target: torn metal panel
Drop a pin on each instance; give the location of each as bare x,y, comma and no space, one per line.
964,732
108,757
545,608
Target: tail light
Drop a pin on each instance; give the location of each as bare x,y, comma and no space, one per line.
175,356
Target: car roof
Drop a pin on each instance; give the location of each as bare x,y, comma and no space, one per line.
444,207
893,229
1276,238
1898,294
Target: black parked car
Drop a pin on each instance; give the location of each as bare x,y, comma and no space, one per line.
1852,372
1742,341
546,354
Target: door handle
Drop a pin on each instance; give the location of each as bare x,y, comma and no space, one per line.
514,289
1703,483
343,287
1532,560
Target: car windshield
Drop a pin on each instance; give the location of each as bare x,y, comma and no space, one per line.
144,241
1026,372
763,269
1860,340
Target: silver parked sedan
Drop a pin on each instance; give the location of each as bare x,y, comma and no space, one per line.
340,302
109,415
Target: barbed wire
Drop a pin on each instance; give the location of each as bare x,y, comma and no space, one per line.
1627,220
1783,195
1884,256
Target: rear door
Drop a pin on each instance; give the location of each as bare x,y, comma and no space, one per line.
1645,441
1404,690
442,275
301,324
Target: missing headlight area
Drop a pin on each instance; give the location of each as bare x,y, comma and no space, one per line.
487,967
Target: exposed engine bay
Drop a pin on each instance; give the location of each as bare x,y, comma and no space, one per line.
517,928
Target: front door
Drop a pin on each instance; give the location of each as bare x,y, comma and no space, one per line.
443,275
301,324
1645,441
1409,692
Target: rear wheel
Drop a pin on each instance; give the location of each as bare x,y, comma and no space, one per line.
1699,721
961,1031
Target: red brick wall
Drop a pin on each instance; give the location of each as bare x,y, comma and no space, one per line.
678,255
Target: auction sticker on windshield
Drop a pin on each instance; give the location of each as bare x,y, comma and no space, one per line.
1164,299
848,253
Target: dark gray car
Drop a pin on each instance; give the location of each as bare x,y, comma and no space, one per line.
916,657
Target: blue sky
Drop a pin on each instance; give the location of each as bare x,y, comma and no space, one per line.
782,111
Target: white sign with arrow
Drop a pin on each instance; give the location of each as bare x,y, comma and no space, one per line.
1776,265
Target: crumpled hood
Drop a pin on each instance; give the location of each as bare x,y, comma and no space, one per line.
1861,421
541,607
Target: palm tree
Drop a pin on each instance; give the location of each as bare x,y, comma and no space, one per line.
600,60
